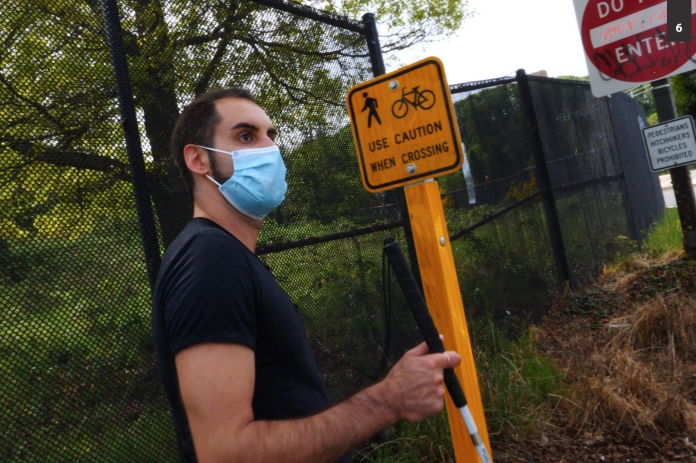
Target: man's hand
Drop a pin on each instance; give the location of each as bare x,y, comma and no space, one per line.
414,387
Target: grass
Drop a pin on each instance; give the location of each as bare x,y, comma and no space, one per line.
638,369
665,236
79,368
427,441
633,371
518,383
632,365
79,377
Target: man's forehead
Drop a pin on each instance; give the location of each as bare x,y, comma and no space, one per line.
239,110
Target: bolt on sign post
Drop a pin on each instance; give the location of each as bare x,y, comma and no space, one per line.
405,134
632,42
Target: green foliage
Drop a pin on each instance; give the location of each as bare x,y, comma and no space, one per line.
76,327
505,266
337,287
644,96
517,382
678,275
315,169
60,122
594,228
597,301
495,133
569,77
422,442
665,235
425,19
684,90
101,353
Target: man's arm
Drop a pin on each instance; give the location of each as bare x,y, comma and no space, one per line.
217,386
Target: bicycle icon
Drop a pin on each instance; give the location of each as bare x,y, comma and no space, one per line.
424,100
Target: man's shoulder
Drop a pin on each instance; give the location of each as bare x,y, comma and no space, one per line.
204,237
202,245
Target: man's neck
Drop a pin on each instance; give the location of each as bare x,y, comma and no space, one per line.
244,228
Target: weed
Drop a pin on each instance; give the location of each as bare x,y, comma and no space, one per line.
519,385
665,236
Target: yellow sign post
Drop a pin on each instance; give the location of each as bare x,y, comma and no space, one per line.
405,133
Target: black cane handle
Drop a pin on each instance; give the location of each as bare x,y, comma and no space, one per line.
418,307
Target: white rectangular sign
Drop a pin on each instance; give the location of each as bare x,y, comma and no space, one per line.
671,144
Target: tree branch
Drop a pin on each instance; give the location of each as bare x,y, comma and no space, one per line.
204,81
290,88
81,160
68,158
215,34
299,51
41,109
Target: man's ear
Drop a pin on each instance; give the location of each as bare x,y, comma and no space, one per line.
197,159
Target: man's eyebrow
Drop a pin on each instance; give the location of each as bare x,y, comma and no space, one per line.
244,125
247,125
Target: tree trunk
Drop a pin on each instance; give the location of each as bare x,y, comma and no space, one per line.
157,98
173,204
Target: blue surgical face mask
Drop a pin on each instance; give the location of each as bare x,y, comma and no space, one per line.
258,184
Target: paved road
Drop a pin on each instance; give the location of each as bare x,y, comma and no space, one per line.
668,191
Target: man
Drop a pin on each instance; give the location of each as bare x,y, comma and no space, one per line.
232,351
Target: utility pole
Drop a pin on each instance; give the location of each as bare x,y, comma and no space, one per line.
681,178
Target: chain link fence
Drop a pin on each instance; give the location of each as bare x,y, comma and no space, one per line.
77,256
79,378
502,232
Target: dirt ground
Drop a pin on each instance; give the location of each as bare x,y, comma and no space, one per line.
627,347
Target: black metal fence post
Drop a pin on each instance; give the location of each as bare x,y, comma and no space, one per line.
143,204
397,195
548,199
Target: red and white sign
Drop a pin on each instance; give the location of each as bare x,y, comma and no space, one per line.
626,43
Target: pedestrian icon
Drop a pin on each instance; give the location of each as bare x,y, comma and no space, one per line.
371,104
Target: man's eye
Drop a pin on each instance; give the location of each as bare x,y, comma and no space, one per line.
245,137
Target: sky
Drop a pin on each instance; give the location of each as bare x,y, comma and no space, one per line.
506,35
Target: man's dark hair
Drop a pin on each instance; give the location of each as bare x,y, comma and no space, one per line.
196,125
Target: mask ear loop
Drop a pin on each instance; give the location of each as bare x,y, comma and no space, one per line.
211,178
219,151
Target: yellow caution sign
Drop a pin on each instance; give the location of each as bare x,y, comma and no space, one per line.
404,126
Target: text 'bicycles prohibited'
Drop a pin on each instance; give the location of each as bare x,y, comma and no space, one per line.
404,126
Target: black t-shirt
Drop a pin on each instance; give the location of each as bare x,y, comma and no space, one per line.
212,288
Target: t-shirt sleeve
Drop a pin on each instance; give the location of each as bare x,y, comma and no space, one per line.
210,295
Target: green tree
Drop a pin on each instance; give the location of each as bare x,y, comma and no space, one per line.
495,133
61,142
325,182
684,89
569,77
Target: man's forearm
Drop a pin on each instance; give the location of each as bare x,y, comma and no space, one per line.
321,438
